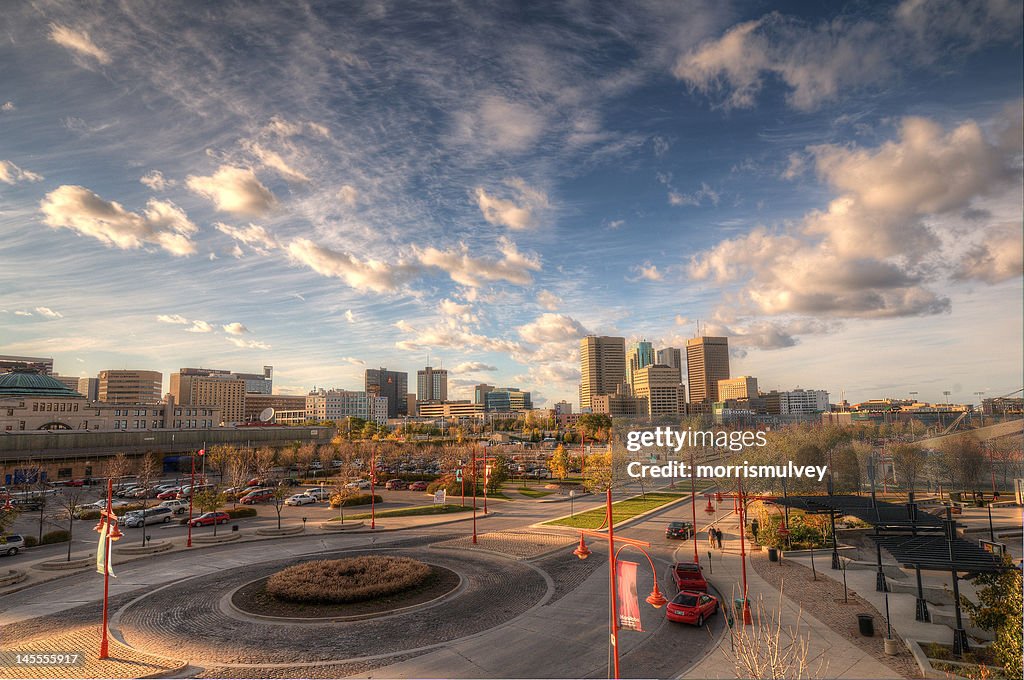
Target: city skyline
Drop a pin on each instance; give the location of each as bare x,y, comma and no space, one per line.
325,196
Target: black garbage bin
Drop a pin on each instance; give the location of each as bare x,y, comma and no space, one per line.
773,554
866,623
234,527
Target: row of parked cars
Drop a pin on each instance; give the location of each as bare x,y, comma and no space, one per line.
401,485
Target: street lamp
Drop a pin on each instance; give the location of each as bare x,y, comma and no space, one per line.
109,531
655,599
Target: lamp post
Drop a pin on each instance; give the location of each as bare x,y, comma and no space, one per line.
109,531
473,453
693,503
747,618
191,488
655,599
373,478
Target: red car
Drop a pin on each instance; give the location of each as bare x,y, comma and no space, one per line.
210,518
257,497
418,486
169,495
691,607
396,485
689,576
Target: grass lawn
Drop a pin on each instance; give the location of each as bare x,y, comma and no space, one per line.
621,510
533,493
409,512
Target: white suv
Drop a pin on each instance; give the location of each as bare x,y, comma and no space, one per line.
178,507
10,545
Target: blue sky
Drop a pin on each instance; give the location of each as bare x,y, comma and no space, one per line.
325,187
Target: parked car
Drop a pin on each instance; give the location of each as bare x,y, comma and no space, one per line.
319,493
691,607
12,544
299,499
681,530
396,485
358,484
169,494
156,515
211,518
126,490
418,486
689,576
176,506
258,496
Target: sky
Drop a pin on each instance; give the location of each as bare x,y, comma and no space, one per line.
326,187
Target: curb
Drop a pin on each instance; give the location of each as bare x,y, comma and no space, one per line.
624,524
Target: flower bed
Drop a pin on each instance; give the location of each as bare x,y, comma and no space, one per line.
353,579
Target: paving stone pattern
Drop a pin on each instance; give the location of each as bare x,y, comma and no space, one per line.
518,544
122,662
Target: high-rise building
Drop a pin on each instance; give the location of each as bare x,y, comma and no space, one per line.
410,404
660,390
324,405
640,354
9,362
670,356
507,399
392,385
602,367
800,401
209,387
563,408
255,383
742,387
707,362
480,393
619,404
130,387
69,380
256,404
90,388
432,384
258,383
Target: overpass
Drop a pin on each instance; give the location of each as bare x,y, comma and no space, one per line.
982,434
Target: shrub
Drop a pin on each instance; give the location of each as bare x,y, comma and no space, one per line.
934,650
337,501
60,536
353,579
31,542
242,512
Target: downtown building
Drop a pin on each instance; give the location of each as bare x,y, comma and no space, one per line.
338,404
640,354
507,400
431,384
216,387
658,391
707,362
602,370
392,385
10,362
129,387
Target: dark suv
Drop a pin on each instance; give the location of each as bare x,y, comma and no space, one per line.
680,530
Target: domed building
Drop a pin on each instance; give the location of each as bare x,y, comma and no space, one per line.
31,383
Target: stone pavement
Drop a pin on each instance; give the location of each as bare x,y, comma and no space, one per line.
122,662
830,652
517,544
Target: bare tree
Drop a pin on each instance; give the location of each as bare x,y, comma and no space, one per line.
239,469
148,471
768,649
264,460
69,499
118,467
304,456
910,460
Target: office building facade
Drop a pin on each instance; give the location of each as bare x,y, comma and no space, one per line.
323,405
660,390
640,354
391,385
130,387
741,387
707,362
10,362
432,384
507,399
602,367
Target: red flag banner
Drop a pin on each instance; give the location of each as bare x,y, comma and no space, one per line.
629,604
202,452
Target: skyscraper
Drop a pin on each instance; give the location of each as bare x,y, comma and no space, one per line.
431,384
394,385
671,357
641,354
602,367
480,393
707,362
130,387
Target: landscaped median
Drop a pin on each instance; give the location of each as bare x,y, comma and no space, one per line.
621,510
411,512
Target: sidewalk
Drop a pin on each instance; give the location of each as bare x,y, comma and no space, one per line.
839,657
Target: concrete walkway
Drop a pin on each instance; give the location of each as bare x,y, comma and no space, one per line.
830,653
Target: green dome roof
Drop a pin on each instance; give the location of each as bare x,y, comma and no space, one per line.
22,383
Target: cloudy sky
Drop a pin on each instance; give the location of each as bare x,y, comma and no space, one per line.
329,186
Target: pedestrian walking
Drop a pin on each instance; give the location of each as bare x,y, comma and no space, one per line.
718,538
711,537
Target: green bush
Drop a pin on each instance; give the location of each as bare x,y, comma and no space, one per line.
242,512
60,536
31,542
357,499
453,487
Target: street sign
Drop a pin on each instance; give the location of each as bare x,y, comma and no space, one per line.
458,475
439,497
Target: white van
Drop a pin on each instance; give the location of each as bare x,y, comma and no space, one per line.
159,514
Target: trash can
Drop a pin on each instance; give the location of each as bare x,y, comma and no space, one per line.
234,527
773,554
866,623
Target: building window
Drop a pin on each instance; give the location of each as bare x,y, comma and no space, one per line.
63,472
76,408
35,407
117,424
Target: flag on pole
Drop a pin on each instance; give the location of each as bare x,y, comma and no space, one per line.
629,604
102,554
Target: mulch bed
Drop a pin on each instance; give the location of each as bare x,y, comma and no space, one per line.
254,598
823,599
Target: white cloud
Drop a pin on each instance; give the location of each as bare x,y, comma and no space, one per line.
12,174
172,318
273,160
513,267
517,214
352,360
49,313
247,344
646,272
348,195
698,197
155,180
998,258
22,312
473,367
8,106
161,224
78,42
235,328
451,336
500,125
821,62
549,327
371,275
457,311
350,316
254,236
548,300
233,189
199,326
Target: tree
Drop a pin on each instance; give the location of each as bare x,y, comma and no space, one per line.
239,471
767,649
304,455
264,460
208,500
910,461
279,494
499,474
999,610
963,458
7,518
595,425
218,456
149,470
846,470
559,462
69,499
118,467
